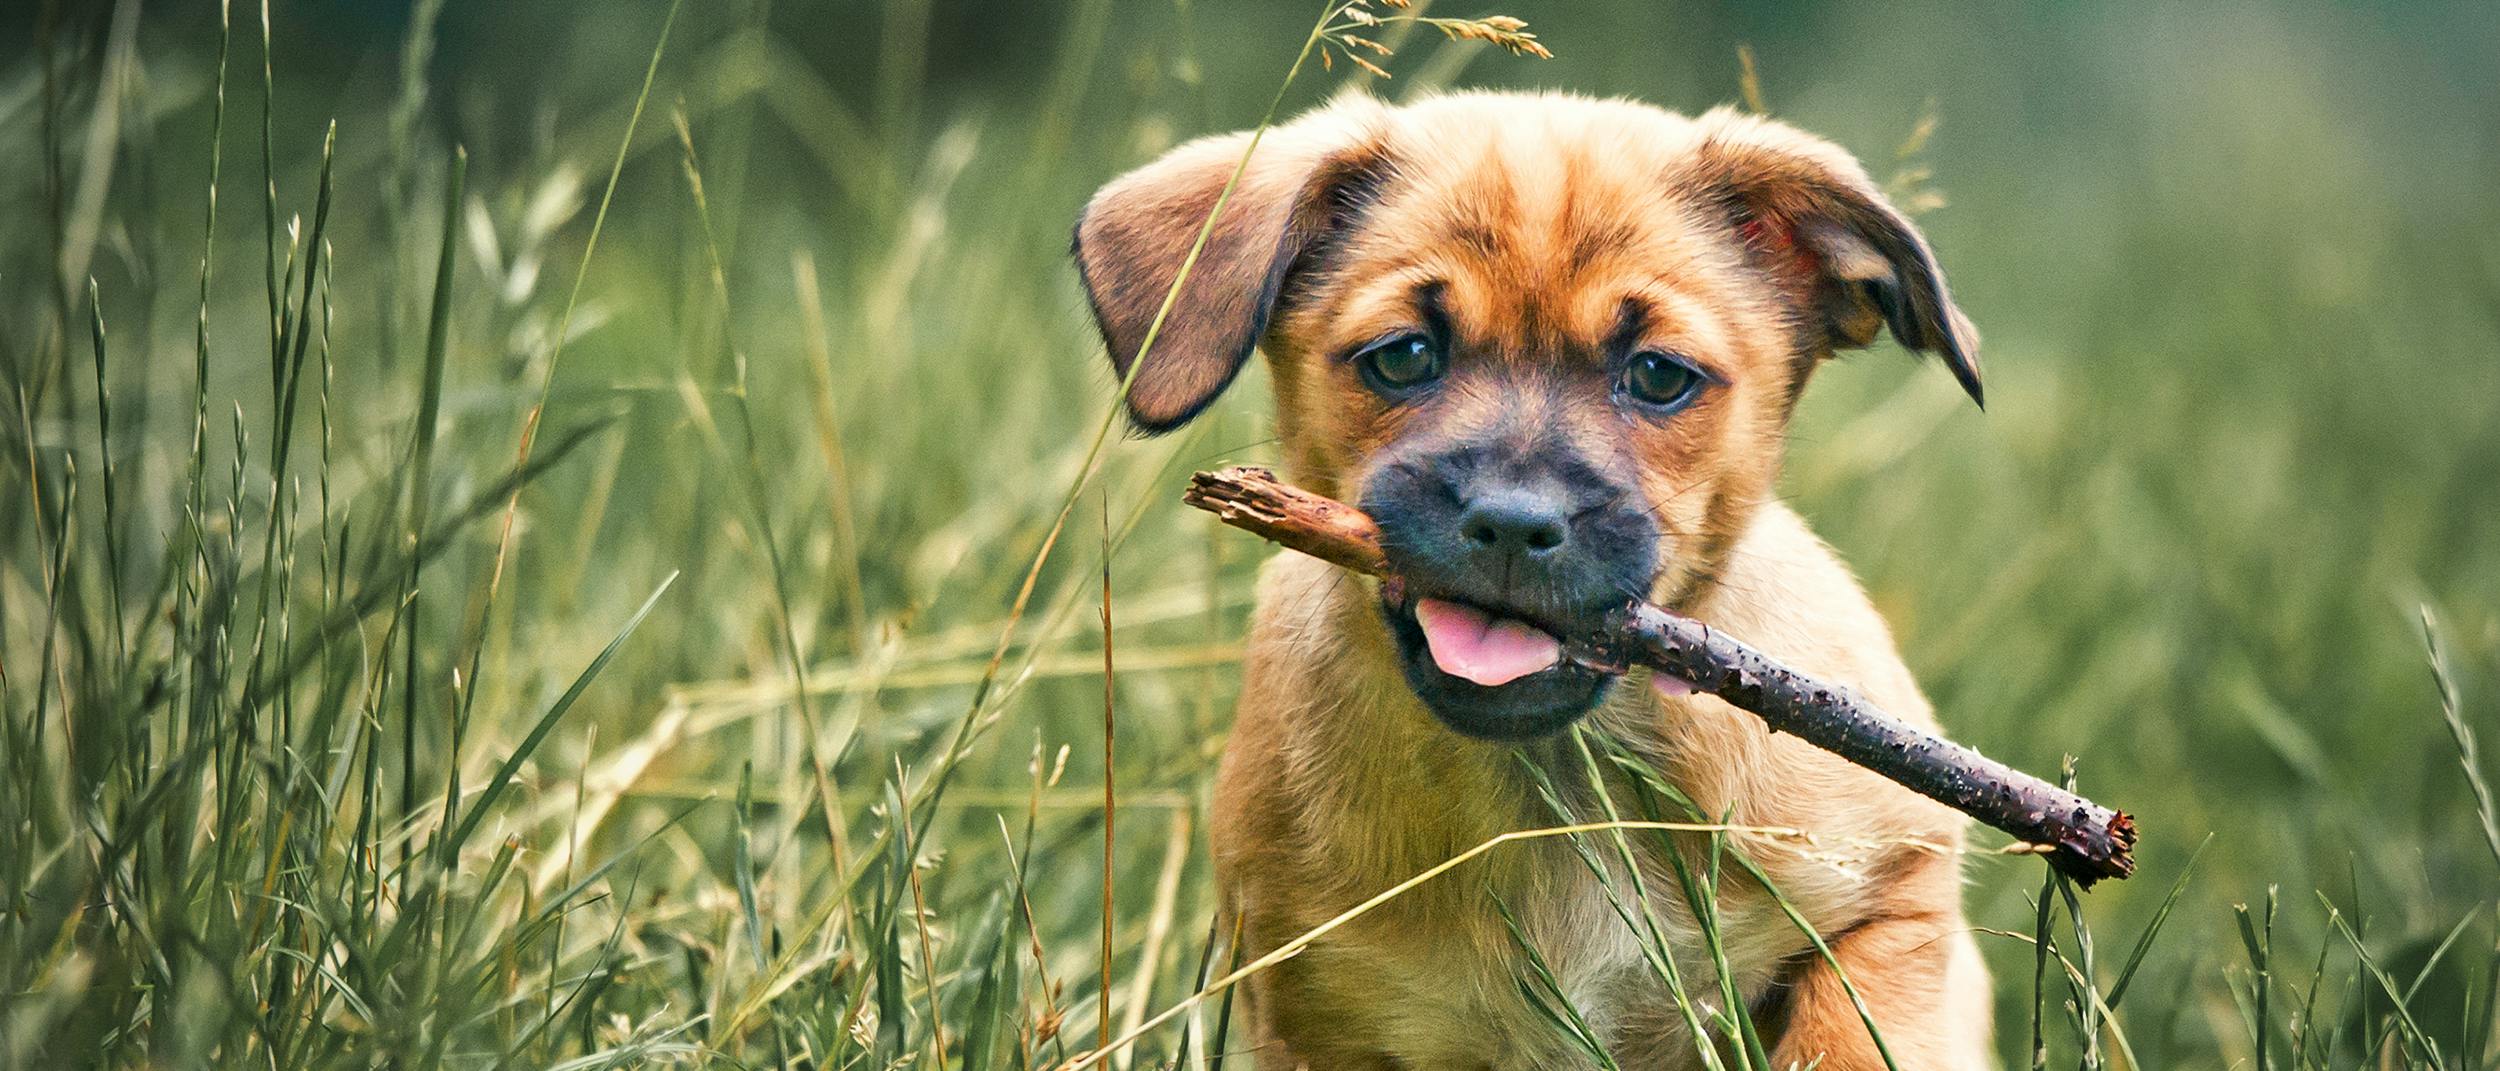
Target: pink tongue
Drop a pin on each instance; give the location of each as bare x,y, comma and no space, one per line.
1472,645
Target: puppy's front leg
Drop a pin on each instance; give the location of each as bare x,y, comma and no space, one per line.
1921,977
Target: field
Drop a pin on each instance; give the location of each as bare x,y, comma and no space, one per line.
578,535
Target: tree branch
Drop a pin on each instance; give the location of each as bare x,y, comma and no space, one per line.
2081,838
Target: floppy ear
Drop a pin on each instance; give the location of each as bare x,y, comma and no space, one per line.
1810,214
1300,184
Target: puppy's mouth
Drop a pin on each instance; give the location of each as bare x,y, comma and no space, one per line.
1486,671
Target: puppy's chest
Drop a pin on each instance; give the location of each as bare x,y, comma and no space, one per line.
1440,978
1434,978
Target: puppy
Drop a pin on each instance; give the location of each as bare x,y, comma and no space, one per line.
1551,344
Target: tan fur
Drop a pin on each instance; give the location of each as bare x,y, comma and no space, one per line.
1754,250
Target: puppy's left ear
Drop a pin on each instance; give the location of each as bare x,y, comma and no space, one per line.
1811,215
1301,185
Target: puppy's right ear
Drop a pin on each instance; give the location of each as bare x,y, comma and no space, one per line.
1302,183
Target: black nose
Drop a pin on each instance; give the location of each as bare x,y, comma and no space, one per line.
1539,534
1512,520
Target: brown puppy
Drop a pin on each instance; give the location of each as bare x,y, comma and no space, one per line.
1552,345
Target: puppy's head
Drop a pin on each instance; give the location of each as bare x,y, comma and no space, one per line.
1549,343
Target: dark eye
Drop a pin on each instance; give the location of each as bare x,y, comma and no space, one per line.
1402,363
1660,381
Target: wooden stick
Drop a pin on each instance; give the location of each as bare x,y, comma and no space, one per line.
2083,839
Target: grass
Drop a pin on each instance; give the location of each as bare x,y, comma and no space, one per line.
475,614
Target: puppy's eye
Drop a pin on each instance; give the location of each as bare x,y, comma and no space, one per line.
1401,364
1659,381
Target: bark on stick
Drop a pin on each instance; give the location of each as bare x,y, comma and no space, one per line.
2081,838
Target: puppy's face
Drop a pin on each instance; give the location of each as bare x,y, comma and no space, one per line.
1550,344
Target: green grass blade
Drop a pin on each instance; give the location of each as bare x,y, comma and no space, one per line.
2415,1037
496,785
1544,992
744,864
105,463
421,481
2144,941
2459,733
2257,937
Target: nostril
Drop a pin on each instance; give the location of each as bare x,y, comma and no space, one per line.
1513,522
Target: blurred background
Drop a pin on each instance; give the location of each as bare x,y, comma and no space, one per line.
269,639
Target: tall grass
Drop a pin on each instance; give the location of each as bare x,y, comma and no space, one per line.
460,618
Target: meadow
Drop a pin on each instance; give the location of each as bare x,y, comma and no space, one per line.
580,535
